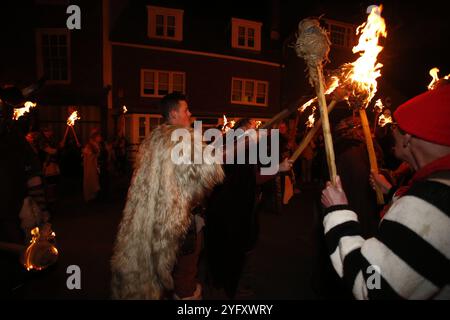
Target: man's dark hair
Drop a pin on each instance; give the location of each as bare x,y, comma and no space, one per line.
170,102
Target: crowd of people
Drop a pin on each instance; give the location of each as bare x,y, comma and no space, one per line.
174,213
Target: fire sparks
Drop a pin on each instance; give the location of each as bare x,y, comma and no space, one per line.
361,75
311,119
383,120
124,109
435,81
73,117
21,111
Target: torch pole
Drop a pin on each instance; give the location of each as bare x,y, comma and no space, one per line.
65,136
12,247
325,125
75,136
371,151
307,140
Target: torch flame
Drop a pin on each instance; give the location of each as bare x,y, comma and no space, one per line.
311,119
434,82
227,125
73,117
21,111
39,242
383,120
258,124
333,85
124,109
362,74
378,106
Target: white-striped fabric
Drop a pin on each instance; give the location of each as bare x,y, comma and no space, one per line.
410,218
338,217
424,219
400,276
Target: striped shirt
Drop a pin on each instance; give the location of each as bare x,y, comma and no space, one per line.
409,258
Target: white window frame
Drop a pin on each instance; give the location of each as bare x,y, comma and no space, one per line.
39,53
153,11
156,83
255,92
246,24
349,35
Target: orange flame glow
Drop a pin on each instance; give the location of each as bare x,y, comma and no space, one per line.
258,124
227,125
73,117
362,74
378,106
333,85
124,109
311,119
21,111
36,243
383,120
434,74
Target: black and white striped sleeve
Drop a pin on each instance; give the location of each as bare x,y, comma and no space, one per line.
409,256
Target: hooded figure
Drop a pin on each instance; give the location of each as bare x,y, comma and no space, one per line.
157,215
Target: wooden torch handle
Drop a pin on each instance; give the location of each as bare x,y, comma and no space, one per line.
370,151
320,91
307,140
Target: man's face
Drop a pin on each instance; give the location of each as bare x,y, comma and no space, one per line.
181,116
400,150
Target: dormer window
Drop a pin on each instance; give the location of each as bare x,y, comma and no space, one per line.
246,34
165,23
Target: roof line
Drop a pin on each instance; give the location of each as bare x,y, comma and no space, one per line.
198,53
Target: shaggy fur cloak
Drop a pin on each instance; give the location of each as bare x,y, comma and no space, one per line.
157,215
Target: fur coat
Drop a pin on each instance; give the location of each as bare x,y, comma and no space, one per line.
157,216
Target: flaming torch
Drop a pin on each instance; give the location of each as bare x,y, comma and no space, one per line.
361,76
436,82
313,46
378,108
70,123
124,110
21,111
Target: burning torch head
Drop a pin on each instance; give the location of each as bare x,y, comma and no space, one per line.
312,41
11,97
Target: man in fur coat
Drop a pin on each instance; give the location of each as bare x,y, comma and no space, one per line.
157,214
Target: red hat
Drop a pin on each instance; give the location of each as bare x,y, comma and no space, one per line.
427,116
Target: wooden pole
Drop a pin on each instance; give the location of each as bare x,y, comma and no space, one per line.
371,151
307,140
75,136
320,91
12,247
63,143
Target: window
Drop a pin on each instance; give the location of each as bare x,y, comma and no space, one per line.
165,23
53,53
158,83
246,34
250,92
341,34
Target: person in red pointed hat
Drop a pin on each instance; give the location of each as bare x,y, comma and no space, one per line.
409,257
